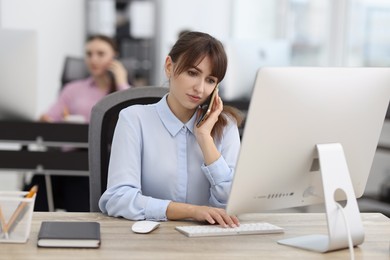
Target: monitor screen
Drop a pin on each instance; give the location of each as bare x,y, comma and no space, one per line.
18,73
291,111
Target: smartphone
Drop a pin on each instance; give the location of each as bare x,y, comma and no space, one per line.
111,76
112,86
206,107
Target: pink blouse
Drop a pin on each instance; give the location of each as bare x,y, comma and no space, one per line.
78,98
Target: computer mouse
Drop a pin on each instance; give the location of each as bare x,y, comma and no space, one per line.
144,226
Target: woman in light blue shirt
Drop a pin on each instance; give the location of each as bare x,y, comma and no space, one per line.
162,165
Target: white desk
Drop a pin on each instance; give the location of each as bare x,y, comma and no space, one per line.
118,241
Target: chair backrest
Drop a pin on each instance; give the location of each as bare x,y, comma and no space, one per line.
74,69
101,129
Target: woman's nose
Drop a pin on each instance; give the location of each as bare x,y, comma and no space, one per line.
94,57
199,86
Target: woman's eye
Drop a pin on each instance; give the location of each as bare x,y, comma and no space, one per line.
211,81
192,73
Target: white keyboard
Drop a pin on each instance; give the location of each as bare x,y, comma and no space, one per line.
216,230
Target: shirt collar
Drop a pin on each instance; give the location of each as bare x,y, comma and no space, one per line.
170,121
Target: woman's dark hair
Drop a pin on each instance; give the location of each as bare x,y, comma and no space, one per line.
189,50
192,47
104,38
114,46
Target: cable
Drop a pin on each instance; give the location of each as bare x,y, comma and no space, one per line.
350,245
310,191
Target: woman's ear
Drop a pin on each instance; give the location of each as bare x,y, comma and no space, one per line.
168,67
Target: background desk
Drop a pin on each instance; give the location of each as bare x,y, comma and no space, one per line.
118,241
48,158
45,135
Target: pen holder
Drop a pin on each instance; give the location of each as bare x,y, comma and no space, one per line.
15,216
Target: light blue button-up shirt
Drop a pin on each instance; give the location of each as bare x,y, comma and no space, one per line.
155,159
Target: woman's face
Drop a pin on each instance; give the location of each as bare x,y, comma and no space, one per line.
99,55
190,88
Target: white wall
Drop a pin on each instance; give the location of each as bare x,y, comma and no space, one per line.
254,19
210,16
60,26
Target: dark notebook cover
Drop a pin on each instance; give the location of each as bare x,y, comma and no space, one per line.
69,234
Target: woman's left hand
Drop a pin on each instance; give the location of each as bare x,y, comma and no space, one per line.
120,73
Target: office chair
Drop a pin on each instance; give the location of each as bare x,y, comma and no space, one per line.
101,129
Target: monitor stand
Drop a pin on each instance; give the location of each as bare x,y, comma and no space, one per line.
335,178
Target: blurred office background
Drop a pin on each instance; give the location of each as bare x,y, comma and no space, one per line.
37,35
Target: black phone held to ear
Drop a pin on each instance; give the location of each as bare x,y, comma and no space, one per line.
111,76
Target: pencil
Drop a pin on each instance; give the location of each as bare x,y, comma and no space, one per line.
2,220
3,224
19,209
32,191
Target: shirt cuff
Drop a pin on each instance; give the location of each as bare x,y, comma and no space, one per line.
216,172
156,209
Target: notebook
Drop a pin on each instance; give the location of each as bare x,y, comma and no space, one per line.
69,234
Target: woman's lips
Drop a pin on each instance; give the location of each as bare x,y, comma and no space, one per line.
194,98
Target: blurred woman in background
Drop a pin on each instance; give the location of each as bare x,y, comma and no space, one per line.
75,102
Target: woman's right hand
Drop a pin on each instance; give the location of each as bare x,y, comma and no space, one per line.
215,216
177,210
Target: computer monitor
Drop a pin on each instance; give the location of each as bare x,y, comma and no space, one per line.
18,73
301,122
245,56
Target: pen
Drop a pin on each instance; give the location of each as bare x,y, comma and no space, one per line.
19,209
